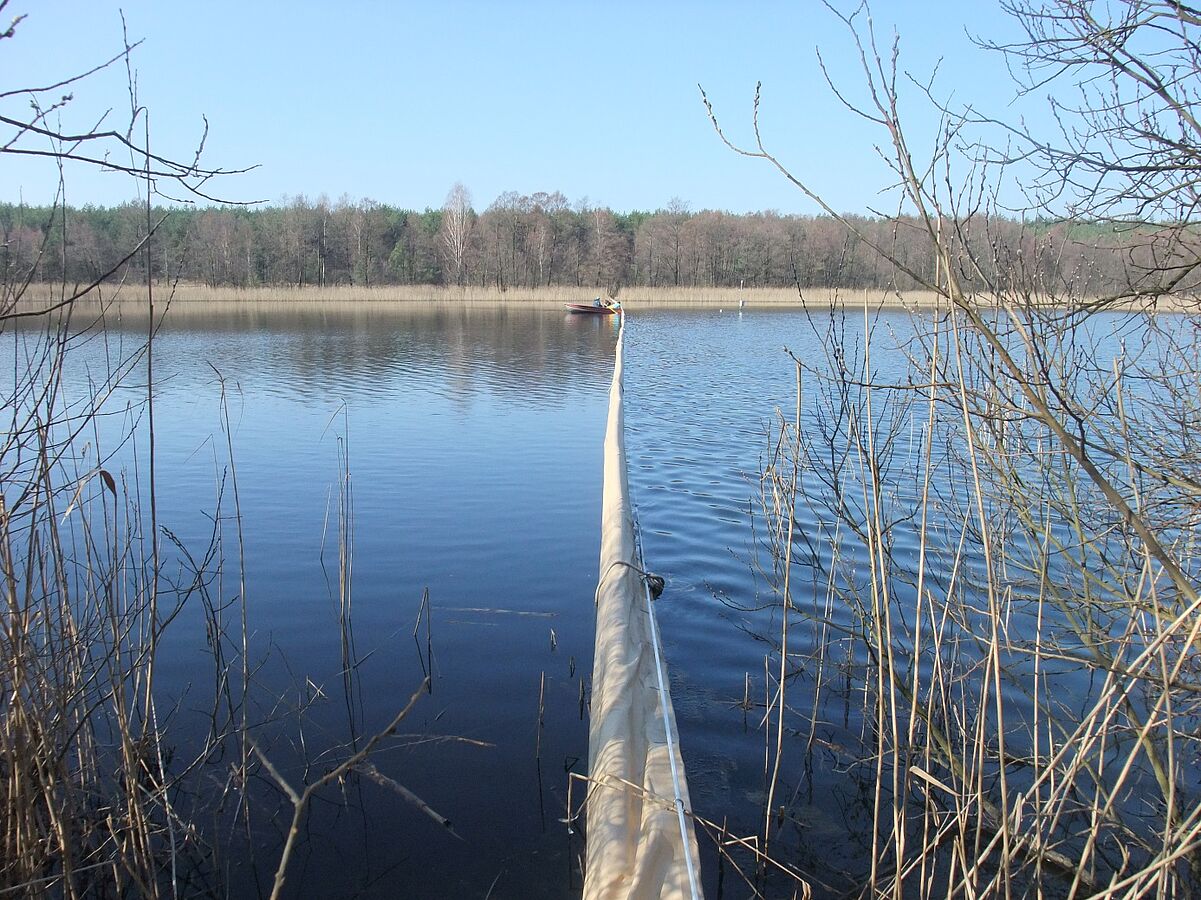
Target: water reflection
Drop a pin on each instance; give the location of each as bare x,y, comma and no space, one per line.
474,444
314,350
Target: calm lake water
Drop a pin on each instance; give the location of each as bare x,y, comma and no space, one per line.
472,437
475,440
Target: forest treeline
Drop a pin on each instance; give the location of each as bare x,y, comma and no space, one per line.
532,240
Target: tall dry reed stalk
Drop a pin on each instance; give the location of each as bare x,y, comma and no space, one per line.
87,796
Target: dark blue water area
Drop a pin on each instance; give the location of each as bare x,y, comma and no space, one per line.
471,440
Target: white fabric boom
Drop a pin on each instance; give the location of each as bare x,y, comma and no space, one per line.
638,842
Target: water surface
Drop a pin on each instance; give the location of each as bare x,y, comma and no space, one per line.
470,441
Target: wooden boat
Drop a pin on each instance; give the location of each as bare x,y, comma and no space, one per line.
592,309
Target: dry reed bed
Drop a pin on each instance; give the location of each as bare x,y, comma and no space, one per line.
1012,649
98,795
634,298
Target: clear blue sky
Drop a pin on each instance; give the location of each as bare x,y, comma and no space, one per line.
397,101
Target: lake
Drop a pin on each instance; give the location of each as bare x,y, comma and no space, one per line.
459,448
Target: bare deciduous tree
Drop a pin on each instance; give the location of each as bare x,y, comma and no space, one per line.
1028,674
1125,83
100,797
456,230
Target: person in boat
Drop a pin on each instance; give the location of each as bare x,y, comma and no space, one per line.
597,302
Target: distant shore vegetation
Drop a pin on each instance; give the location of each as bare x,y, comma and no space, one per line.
189,297
540,241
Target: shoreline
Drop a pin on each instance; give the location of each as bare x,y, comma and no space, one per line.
555,295
633,299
